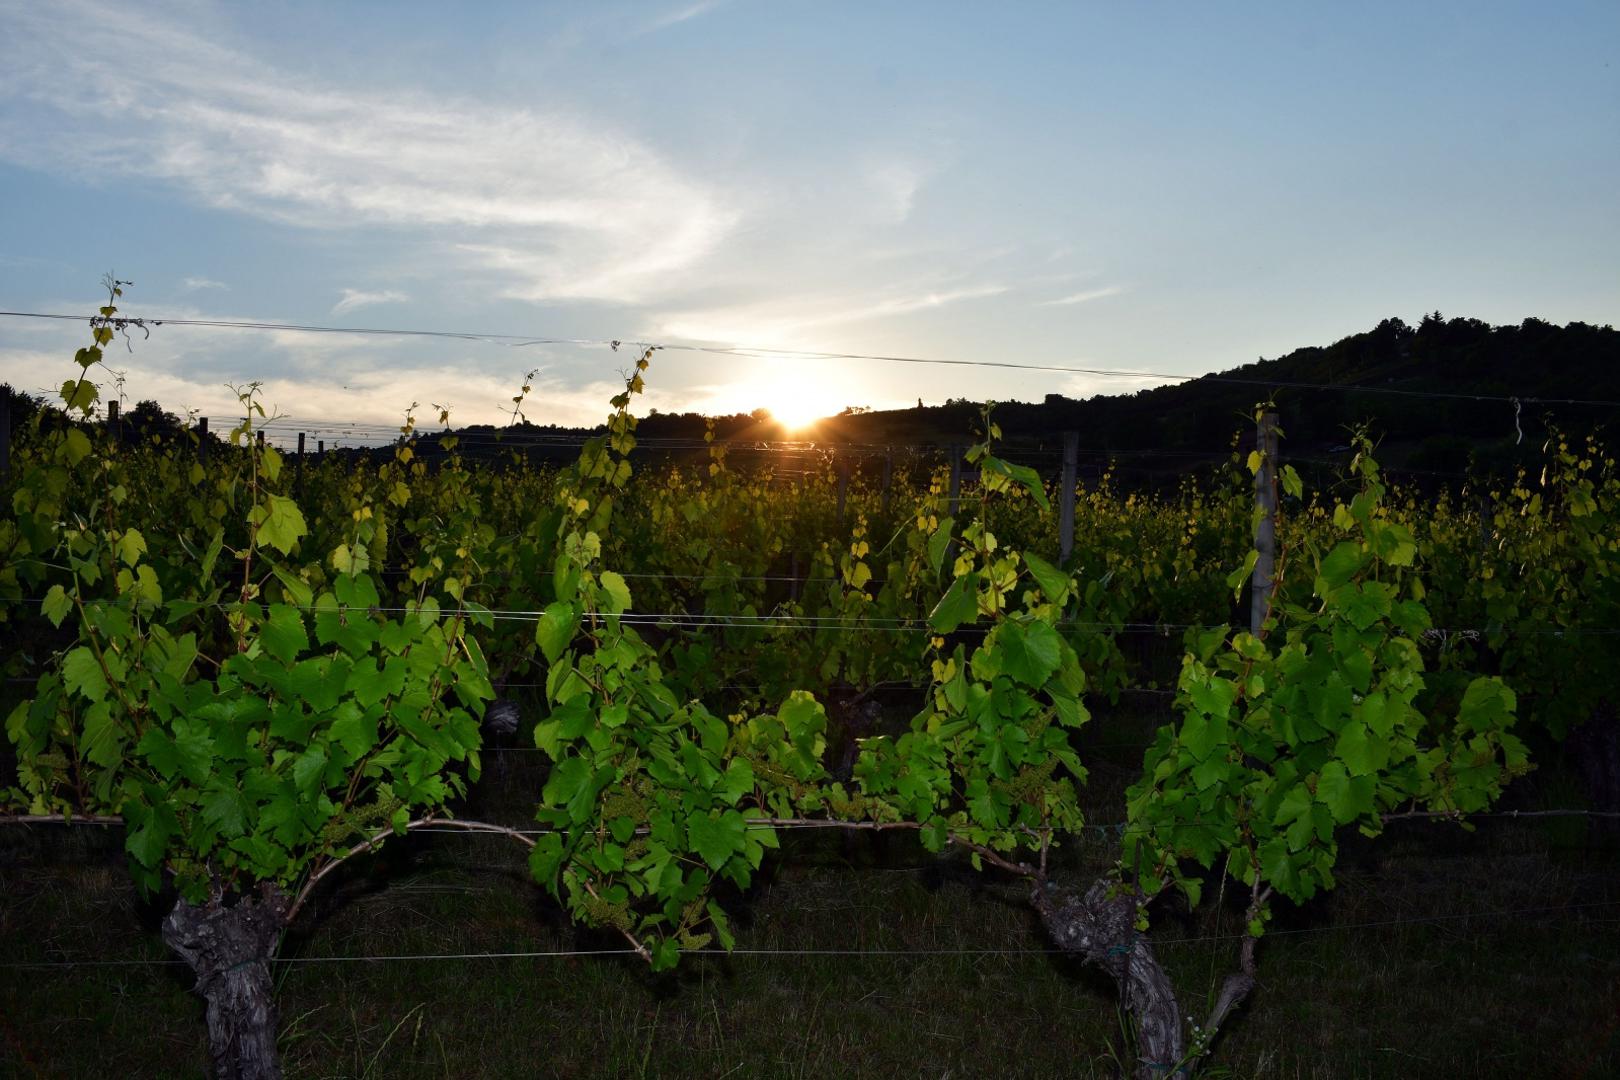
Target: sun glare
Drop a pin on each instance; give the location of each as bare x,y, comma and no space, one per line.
796,398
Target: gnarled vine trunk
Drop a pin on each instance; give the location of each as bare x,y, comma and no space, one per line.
1100,928
230,949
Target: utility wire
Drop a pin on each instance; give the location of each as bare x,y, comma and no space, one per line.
522,341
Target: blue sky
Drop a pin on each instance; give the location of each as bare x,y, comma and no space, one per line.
1174,188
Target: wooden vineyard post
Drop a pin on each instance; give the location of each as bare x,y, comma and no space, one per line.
842,461
956,478
261,438
320,447
797,487
888,477
954,498
1265,530
112,420
202,439
298,472
5,435
1071,466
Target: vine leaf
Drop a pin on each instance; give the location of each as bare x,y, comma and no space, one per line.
56,605
959,604
1030,653
556,629
102,743
283,633
76,445
1053,582
938,542
717,837
79,394
1340,565
618,593
82,673
280,523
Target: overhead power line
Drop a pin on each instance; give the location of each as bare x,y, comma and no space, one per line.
768,352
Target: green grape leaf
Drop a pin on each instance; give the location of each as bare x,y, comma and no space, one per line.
546,858
1237,578
1342,793
1053,582
81,672
79,394
56,605
722,925
1487,705
960,604
939,542
716,837
556,629
102,740
351,561
224,808
281,523
131,546
1363,754
76,445
298,590
618,593
187,752
148,843
1339,565
283,634
354,729
1031,480
308,768
1030,652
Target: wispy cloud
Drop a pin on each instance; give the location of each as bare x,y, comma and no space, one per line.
198,284
558,205
1084,297
896,184
356,298
780,324
682,14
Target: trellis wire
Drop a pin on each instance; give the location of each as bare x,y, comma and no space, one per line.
850,953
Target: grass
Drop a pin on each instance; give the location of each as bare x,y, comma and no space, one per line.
1494,995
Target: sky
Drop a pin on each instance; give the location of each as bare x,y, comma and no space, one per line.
1152,187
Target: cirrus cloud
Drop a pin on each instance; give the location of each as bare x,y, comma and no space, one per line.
357,298
556,205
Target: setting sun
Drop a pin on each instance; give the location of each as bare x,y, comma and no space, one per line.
796,398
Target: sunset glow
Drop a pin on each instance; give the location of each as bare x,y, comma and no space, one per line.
796,397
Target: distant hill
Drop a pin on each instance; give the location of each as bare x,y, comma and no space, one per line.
1155,435
1171,428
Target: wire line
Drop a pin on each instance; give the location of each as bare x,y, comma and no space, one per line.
763,352
534,954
